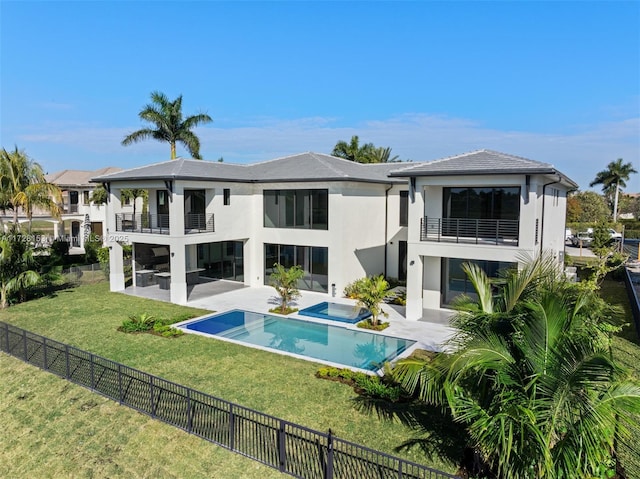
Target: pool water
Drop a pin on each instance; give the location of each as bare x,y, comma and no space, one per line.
324,342
337,312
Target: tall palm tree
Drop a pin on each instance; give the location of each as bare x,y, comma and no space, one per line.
612,179
539,398
169,126
23,185
352,151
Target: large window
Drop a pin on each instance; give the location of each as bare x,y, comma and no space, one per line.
404,208
482,203
305,209
222,260
455,282
313,260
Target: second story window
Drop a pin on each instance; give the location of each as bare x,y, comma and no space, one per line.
226,193
304,209
85,197
404,208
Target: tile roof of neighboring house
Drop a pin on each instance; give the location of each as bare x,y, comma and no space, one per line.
481,162
300,167
78,177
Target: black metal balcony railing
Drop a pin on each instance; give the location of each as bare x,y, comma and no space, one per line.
467,230
198,223
143,223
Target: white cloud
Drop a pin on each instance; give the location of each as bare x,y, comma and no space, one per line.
419,137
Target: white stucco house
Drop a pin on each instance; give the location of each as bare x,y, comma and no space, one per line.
80,215
337,219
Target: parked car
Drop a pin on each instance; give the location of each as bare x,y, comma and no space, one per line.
614,234
583,238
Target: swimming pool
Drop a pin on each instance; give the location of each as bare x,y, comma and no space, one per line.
324,342
337,312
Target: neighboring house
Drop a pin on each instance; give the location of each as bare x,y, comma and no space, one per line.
337,219
79,214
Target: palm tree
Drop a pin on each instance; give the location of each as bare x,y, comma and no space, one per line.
169,126
16,263
612,179
382,155
352,151
23,185
531,380
371,293
285,281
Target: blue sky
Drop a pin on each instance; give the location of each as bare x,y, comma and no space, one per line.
554,81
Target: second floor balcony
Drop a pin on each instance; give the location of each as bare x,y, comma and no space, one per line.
159,223
468,230
143,223
198,223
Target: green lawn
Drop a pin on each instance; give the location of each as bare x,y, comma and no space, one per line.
52,429
87,317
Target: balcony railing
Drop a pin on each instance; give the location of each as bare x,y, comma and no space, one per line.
70,208
467,230
143,223
198,223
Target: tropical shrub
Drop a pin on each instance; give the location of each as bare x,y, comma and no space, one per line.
285,282
370,294
17,267
531,378
352,289
138,323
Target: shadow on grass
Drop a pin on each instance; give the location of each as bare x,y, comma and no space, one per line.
436,433
50,291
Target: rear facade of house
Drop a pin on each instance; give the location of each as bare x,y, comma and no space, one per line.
338,220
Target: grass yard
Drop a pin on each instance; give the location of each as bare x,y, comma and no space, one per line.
87,317
626,349
52,428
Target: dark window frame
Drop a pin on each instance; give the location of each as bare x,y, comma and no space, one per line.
404,208
296,208
226,195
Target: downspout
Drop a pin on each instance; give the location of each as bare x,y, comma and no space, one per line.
386,226
544,187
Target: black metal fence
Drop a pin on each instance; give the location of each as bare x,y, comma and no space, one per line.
290,448
633,298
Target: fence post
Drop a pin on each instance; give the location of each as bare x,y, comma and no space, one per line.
153,405
120,383
189,412
44,346
400,462
282,446
232,428
24,344
91,365
66,355
328,473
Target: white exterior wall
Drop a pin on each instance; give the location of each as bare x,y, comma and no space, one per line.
395,232
424,277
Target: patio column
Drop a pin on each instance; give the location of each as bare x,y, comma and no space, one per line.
178,275
116,267
415,272
56,233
